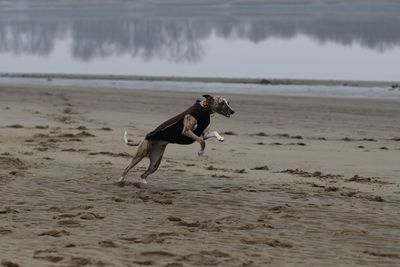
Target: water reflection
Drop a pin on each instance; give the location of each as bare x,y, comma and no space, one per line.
153,35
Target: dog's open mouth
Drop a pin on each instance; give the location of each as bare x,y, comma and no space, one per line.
227,113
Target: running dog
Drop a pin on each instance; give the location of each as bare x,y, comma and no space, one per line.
190,126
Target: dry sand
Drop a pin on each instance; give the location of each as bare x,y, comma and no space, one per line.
329,197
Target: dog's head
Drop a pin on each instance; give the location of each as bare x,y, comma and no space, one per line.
220,105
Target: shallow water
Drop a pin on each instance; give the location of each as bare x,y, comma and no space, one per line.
357,41
358,92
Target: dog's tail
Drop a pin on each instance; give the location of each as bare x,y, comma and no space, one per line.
129,142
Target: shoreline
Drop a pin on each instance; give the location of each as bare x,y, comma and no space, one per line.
260,81
232,86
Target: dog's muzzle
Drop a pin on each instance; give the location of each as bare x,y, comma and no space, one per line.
226,110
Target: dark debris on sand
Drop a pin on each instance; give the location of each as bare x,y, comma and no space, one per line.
261,168
315,174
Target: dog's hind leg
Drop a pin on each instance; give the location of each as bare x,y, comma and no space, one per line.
155,155
141,152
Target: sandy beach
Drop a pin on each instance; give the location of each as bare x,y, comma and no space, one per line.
299,181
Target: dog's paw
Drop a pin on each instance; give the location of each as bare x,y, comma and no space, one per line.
221,139
201,153
144,181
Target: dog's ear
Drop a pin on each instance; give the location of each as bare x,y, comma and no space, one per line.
207,96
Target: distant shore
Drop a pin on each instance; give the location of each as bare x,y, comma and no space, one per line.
262,81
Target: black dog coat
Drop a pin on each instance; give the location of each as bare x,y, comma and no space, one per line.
171,130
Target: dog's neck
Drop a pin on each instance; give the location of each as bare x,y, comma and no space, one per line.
204,103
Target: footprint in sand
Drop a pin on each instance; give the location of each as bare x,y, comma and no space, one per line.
64,209
228,220
79,261
106,129
198,259
64,215
174,219
255,226
68,110
89,216
189,224
261,168
124,155
151,238
82,134
174,264
64,119
358,194
316,174
41,127
145,263
7,210
206,258
208,225
55,233
82,207
15,126
107,244
69,223
154,255
369,180
68,219
56,209
82,128
4,231
12,163
155,196
383,255
158,253
266,241
229,133
49,258
260,134
47,255
215,253
5,263
118,200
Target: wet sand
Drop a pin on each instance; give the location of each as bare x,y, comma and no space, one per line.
298,182
222,80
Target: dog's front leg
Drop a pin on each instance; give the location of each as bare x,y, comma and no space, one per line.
189,123
207,134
